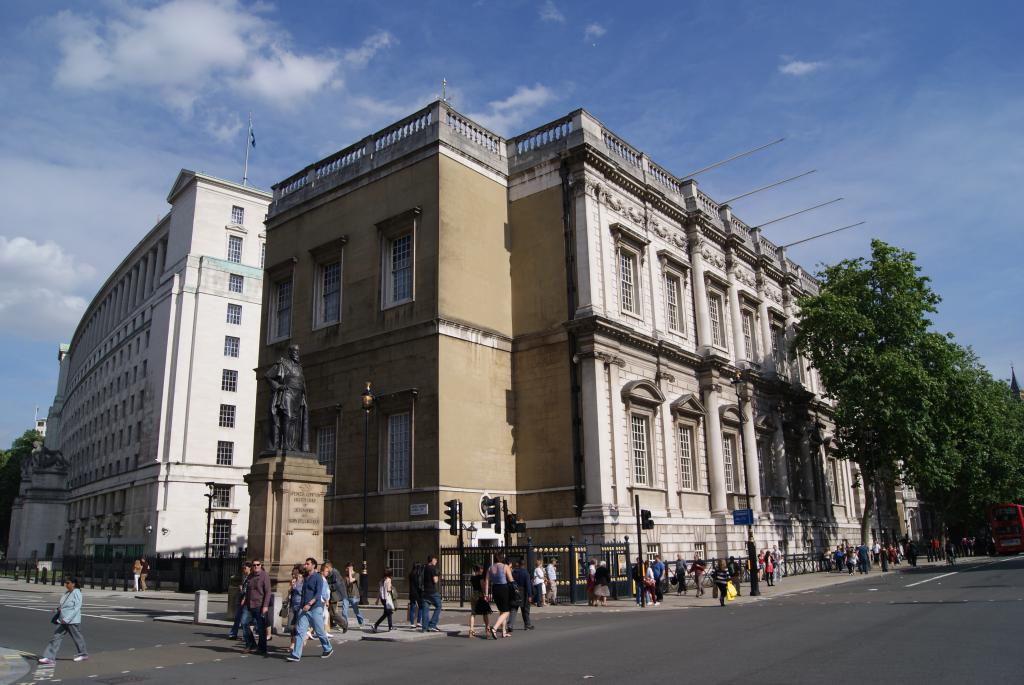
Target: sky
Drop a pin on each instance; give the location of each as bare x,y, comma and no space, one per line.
912,112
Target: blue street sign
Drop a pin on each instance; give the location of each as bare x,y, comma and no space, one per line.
743,517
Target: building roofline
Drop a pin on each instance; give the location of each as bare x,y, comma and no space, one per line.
187,176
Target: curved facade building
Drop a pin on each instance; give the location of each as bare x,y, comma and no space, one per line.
156,394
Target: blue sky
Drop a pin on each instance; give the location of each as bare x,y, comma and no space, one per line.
911,111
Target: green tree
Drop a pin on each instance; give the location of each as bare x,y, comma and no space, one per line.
867,333
10,478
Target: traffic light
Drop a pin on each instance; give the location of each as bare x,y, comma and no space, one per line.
451,515
492,512
646,522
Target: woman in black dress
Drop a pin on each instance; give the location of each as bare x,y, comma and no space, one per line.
497,582
480,606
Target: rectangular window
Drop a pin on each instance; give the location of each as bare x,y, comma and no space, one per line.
230,346
651,550
399,267
763,466
779,350
237,215
220,536
325,448
627,282
399,450
234,249
281,324
221,496
234,314
747,317
715,314
673,296
700,550
729,455
235,283
641,466
225,453
229,380
686,457
330,294
396,562
227,416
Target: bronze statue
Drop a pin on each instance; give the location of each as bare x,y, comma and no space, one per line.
289,416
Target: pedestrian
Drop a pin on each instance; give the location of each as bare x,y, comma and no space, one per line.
912,553
697,569
602,579
415,594
649,584
294,604
311,612
479,606
326,597
538,584
591,567
639,574
352,592
658,571
431,581
522,581
143,575
778,559
769,569
137,572
851,558
680,578
241,609
336,586
950,553
68,619
734,572
258,603
720,577
551,574
496,587
386,597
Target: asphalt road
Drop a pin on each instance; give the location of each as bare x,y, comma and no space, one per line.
938,625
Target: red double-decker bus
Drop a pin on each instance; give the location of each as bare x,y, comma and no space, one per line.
1007,524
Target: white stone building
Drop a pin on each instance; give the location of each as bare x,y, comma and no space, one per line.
156,404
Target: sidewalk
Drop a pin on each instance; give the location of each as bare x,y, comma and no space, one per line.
11,585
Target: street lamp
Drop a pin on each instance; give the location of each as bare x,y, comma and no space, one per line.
368,400
209,513
755,589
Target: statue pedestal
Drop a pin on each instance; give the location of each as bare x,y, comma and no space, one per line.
286,510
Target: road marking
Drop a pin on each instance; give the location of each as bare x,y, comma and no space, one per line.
928,580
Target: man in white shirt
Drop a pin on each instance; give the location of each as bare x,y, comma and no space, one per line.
552,578
777,561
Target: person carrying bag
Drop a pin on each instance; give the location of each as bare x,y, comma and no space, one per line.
68,619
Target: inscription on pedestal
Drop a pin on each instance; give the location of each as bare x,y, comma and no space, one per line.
305,512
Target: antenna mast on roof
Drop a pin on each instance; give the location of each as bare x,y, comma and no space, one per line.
767,187
734,157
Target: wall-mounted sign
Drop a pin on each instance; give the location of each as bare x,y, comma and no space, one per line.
419,509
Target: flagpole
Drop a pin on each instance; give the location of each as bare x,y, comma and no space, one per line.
248,137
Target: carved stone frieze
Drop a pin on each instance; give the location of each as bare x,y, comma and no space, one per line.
712,257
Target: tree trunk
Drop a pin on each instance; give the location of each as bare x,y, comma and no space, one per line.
865,521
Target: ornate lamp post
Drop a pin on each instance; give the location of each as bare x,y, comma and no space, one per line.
755,589
368,400
209,513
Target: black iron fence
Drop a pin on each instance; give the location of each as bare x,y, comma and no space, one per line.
180,573
571,563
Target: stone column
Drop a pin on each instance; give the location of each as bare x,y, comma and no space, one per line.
739,348
670,452
779,456
598,460
700,292
750,453
158,267
710,389
147,287
133,289
765,322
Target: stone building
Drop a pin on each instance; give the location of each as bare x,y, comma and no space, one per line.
154,408
554,319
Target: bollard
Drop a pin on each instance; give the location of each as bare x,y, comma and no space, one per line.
277,600
200,606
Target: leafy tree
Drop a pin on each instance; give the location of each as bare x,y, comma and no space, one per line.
10,478
867,333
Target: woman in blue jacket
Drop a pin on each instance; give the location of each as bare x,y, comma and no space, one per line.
69,620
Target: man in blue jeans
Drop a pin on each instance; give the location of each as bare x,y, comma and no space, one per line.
311,612
352,592
431,596
257,600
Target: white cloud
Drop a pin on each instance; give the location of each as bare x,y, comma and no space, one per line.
185,50
550,12
503,116
224,127
359,57
795,67
37,288
593,31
